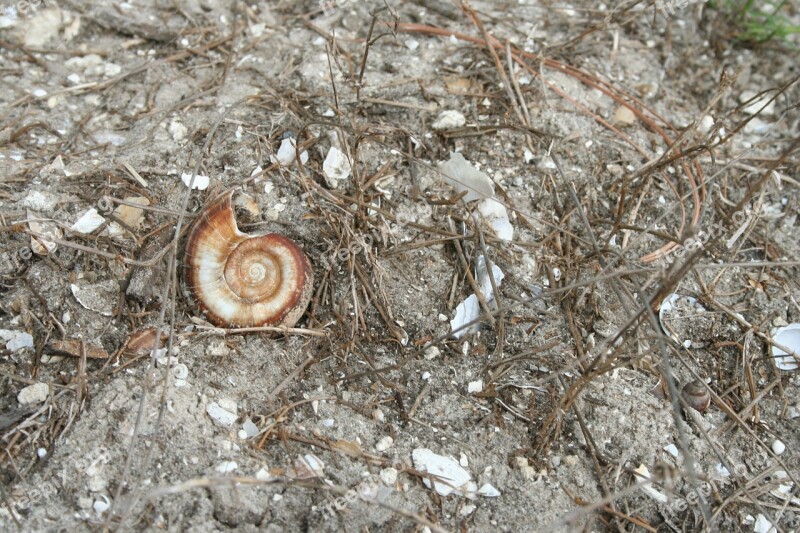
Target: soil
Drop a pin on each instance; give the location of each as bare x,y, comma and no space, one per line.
551,407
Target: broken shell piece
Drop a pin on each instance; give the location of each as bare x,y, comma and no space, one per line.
496,215
74,348
200,182
336,167
788,337
98,297
450,476
459,173
680,316
624,116
224,415
287,153
470,309
449,119
141,342
129,215
488,491
644,478
308,466
39,243
226,467
89,221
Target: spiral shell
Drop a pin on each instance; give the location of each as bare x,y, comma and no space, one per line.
242,280
696,395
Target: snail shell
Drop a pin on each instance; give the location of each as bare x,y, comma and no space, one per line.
696,395
243,280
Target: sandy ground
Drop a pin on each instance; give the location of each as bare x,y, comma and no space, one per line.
557,413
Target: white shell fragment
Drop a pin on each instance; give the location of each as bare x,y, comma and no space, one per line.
88,222
788,336
672,450
466,312
487,490
287,153
222,416
226,467
129,215
101,506
200,182
448,120
763,525
464,177
760,105
453,477
250,429
336,167
496,215
308,466
778,447
470,309
644,476
16,340
40,245
33,394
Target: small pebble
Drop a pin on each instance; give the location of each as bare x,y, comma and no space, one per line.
475,386
389,476
778,447
384,444
431,352
33,394
448,120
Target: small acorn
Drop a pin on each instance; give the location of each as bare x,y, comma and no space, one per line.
696,395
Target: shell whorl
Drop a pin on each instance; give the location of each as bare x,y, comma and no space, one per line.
244,280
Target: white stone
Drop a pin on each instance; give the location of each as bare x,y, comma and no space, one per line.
16,340
475,386
672,450
778,447
389,476
249,428
449,119
431,352
384,443
33,394
755,106
177,130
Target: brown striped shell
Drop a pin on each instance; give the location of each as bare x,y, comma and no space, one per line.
696,395
243,280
